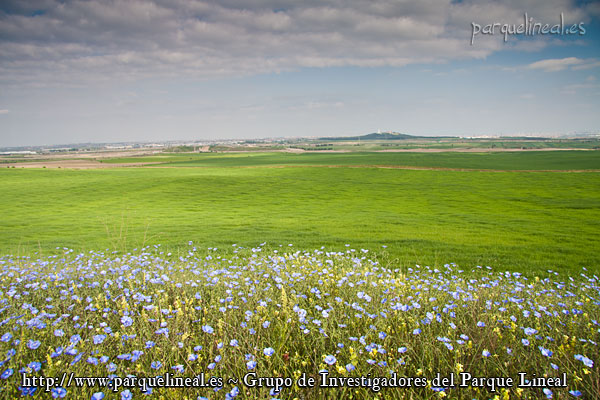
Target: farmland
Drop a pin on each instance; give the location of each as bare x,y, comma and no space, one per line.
389,271
520,211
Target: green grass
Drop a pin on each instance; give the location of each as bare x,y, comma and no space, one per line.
525,221
548,160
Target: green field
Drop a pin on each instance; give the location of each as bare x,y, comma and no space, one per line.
517,220
544,160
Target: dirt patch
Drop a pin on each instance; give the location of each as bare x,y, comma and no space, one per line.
74,164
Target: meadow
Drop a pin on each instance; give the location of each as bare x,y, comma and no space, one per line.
246,275
527,221
258,324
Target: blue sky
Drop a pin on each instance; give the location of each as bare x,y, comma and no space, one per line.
113,71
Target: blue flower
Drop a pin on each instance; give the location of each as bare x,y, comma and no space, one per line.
486,353
126,321
126,395
59,392
586,361
545,352
233,343
330,359
98,339
7,373
350,367
27,391
208,329
251,364
156,364
6,337
98,396
481,324
269,351
35,366
179,368
575,393
33,344
233,393
417,331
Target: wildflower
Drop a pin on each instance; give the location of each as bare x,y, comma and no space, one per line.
350,367
575,393
98,339
251,364
416,331
330,359
126,395
34,344
269,351
208,329
59,392
545,352
586,361
486,353
156,364
481,324
179,368
7,373
126,321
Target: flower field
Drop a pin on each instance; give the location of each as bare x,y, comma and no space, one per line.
267,323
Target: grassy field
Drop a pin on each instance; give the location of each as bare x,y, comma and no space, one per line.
525,221
547,160
322,277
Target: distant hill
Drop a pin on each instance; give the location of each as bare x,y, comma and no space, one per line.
378,136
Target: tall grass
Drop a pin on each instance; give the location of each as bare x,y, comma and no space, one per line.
288,313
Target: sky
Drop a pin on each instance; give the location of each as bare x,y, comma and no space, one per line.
140,70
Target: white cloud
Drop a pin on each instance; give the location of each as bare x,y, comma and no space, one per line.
560,64
74,41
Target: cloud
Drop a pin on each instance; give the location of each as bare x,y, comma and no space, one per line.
76,41
560,64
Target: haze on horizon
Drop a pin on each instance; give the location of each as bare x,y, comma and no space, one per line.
140,70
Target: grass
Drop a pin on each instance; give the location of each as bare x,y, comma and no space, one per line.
288,315
525,221
548,160
351,301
